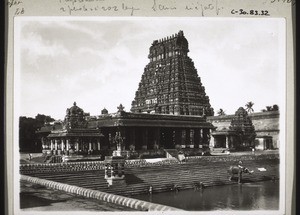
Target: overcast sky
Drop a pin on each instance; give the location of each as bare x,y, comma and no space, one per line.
99,63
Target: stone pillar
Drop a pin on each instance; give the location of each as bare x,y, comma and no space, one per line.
157,137
178,135
90,147
62,145
192,138
227,142
55,146
77,146
98,144
145,139
51,145
132,140
182,137
187,137
212,142
67,145
196,137
55,142
206,137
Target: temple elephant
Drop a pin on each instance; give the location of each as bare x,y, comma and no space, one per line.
236,170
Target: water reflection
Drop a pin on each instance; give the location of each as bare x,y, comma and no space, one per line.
250,196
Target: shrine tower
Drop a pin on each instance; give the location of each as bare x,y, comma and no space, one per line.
170,83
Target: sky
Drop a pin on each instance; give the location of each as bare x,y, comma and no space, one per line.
98,62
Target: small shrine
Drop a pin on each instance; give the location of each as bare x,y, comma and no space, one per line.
75,138
114,165
239,135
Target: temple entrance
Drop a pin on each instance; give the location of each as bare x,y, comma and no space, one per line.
166,138
220,141
268,143
264,142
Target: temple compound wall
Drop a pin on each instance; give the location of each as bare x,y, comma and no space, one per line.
266,125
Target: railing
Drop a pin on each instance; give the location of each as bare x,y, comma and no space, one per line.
61,167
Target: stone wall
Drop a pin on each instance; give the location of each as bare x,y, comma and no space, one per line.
265,124
61,167
228,158
86,166
108,197
99,165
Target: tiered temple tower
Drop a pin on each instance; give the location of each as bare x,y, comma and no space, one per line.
170,83
243,128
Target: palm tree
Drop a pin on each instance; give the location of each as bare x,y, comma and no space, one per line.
249,106
221,112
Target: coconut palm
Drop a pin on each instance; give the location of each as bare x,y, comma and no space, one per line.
221,112
249,107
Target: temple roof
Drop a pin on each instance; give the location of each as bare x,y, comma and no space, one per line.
151,120
75,110
83,134
76,133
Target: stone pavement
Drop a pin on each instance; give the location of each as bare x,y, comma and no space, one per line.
39,198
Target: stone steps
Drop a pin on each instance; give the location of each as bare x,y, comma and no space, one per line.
162,177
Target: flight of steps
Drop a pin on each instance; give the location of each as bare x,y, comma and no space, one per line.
171,153
161,178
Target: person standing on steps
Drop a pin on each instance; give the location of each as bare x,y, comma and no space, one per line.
150,189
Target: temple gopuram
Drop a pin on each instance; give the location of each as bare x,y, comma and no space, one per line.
170,83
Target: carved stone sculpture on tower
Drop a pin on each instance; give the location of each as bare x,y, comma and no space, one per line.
170,83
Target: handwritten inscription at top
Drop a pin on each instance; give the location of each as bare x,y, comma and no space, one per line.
162,7
16,6
75,7
202,7
12,3
206,7
78,6
284,1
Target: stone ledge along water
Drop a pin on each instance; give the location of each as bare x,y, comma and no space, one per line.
112,198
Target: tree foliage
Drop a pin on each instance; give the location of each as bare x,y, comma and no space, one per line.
27,128
275,107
